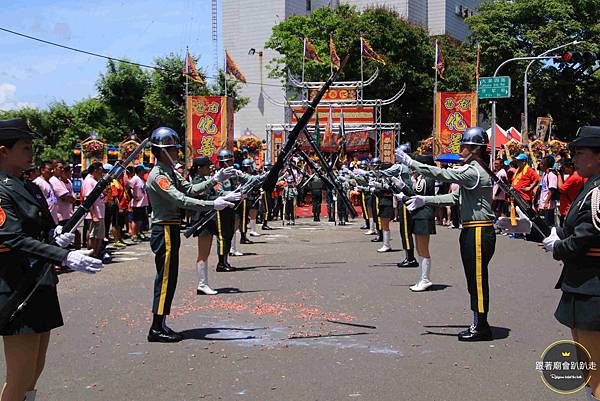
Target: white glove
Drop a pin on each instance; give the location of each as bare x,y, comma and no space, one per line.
523,224
400,196
398,182
221,203
82,262
224,174
232,196
63,240
371,189
403,158
415,202
550,240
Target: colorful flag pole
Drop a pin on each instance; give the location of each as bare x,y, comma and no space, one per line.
361,66
477,83
187,76
225,73
435,86
303,58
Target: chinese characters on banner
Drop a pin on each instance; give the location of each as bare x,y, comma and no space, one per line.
276,144
455,112
335,94
387,147
352,115
209,126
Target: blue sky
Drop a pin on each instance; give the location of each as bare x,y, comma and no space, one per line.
36,74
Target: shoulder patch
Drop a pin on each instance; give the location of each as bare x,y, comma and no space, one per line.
163,182
2,217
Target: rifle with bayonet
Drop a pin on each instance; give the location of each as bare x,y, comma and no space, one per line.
300,126
39,269
208,216
535,218
332,180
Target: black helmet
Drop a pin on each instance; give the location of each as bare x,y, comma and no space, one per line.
225,155
247,163
375,161
164,137
474,136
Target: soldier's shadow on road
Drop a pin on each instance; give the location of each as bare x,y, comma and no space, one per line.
498,333
241,269
434,287
233,290
204,333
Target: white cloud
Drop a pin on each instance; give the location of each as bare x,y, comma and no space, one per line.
7,98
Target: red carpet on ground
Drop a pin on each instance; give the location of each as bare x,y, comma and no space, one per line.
306,210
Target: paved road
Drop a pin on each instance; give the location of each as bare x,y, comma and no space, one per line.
269,335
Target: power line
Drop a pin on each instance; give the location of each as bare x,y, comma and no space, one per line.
116,59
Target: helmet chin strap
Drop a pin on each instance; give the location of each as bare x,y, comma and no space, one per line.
164,150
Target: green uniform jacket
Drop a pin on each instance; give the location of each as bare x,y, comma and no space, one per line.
168,191
474,195
25,229
579,247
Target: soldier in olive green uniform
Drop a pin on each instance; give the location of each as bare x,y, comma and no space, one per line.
375,164
316,191
405,220
168,192
226,223
478,237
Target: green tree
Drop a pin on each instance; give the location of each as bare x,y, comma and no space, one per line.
122,88
527,28
408,50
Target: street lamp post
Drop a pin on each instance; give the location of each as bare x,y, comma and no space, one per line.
493,129
525,89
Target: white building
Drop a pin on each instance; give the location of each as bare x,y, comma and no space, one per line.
247,24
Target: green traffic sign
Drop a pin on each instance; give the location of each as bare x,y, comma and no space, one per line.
494,87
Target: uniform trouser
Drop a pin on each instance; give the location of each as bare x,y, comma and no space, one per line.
267,206
243,214
290,209
406,224
375,211
477,246
317,199
330,204
364,204
164,242
225,228
341,209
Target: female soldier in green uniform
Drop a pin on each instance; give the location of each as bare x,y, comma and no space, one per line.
26,228
577,245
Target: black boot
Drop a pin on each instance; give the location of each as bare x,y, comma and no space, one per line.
409,260
223,266
244,239
379,237
161,333
480,330
266,227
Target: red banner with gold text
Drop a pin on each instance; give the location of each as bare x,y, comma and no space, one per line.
209,126
387,144
277,141
455,112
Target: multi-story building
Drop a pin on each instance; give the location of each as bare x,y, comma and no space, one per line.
247,24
